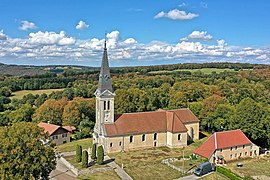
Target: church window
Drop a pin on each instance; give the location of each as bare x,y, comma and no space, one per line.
231,148
131,139
110,144
120,143
179,137
143,137
191,132
244,146
235,147
108,105
104,105
155,136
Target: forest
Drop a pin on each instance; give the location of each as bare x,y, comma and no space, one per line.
224,100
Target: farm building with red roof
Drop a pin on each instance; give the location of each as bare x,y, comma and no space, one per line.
58,134
226,146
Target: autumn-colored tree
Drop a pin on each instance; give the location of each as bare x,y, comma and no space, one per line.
25,152
71,114
51,111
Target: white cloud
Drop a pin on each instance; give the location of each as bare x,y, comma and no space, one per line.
82,25
26,25
58,48
198,35
2,35
204,4
50,38
182,4
176,14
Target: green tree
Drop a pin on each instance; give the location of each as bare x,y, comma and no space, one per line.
24,113
78,153
251,117
94,151
84,159
100,155
25,152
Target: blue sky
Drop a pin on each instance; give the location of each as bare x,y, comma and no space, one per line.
138,32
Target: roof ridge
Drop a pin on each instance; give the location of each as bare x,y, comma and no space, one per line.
145,112
229,131
215,137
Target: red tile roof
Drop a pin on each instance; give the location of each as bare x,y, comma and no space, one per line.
149,122
220,140
50,128
70,128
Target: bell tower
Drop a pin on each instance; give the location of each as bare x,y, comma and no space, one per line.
104,98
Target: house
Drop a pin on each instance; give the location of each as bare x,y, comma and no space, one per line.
71,129
58,134
171,128
227,145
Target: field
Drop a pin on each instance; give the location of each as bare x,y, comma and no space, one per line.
20,94
146,163
252,167
101,175
203,70
214,176
71,146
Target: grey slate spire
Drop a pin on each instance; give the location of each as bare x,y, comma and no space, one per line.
104,82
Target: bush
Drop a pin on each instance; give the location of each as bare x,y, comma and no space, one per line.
78,153
84,159
100,155
94,151
228,173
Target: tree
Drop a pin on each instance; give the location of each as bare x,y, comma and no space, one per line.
84,159
51,111
25,152
71,114
250,117
100,155
78,153
94,151
24,113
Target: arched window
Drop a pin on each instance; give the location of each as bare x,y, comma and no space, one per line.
110,144
155,136
191,133
179,137
104,105
120,143
108,105
131,139
143,137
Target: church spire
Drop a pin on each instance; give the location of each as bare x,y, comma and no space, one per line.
104,82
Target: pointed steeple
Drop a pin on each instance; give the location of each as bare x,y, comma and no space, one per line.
104,82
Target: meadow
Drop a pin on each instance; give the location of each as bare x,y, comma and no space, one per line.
20,94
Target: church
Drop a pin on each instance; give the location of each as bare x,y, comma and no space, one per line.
123,132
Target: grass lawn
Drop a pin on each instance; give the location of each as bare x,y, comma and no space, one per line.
20,94
72,160
252,167
146,163
214,176
71,146
188,164
101,175
203,70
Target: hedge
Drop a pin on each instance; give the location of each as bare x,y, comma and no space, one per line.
94,151
84,159
78,153
100,155
228,173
